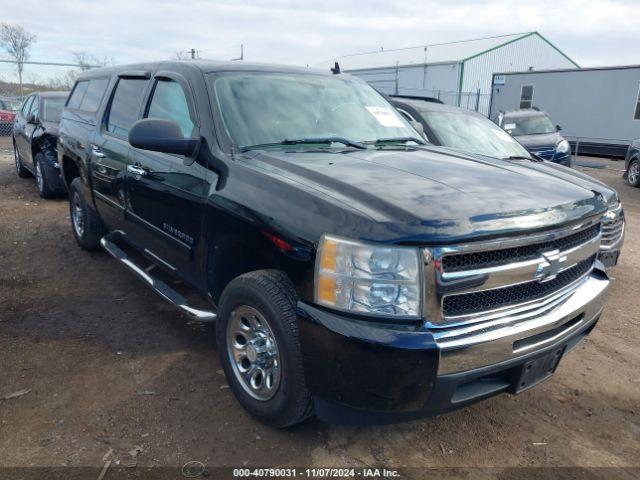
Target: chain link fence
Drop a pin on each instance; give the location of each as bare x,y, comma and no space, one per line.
476,101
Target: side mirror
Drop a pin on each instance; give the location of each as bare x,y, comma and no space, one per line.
158,135
418,126
558,128
31,118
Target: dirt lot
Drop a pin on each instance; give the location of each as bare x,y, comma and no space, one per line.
108,365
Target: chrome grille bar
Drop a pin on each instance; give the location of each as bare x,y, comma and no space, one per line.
545,267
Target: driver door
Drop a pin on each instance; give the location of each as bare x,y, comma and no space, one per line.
167,192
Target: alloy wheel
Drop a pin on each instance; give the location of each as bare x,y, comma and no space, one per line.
634,172
253,353
39,177
76,215
16,157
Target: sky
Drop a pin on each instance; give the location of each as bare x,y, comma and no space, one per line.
591,32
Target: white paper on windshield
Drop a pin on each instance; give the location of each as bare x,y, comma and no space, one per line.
509,126
385,116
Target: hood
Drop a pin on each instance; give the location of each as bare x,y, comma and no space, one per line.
537,141
574,176
429,195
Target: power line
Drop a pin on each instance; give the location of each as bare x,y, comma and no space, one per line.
56,64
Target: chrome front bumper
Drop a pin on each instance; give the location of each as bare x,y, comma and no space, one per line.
475,346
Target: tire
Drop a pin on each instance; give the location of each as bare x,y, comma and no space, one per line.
42,178
20,168
85,223
633,173
265,296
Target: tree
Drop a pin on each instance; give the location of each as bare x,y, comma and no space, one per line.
86,60
17,42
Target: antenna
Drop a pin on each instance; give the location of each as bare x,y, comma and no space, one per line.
241,57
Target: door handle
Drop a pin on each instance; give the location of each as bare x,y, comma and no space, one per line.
97,152
136,170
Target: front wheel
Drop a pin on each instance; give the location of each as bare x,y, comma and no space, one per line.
42,178
259,347
633,173
20,169
87,226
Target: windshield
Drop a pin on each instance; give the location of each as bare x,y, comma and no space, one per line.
260,108
53,109
529,125
473,134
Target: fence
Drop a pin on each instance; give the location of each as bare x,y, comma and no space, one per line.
476,101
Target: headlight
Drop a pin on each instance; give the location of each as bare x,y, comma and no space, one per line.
365,278
563,147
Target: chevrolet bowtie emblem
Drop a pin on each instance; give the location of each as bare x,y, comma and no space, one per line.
550,266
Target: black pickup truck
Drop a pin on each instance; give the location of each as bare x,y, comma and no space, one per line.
351,269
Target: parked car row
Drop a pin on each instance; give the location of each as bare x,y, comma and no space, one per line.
352,268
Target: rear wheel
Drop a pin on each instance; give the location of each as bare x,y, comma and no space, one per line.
259,347
87,226
633,173
20,169
42,179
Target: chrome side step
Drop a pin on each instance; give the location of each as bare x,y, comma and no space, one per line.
158,286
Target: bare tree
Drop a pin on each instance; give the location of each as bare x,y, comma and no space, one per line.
17,42
86,60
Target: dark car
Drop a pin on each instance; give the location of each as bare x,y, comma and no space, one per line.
536,132
35,137
470,132
8,110
459,128
351,269
632,164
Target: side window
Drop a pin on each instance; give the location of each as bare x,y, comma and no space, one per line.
35,107
78,92
636,115
93,95
125,105
526,96
26,106
169,102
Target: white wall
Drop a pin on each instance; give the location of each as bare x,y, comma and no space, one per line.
532,51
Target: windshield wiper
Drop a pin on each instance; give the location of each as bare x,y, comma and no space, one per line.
518,157
385,141
308,141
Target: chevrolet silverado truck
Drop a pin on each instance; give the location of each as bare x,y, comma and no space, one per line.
351,270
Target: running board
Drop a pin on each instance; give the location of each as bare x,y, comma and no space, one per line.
158,286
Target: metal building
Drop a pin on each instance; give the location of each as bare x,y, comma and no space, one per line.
458,73
598,108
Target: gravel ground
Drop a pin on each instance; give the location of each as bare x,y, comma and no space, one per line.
103,366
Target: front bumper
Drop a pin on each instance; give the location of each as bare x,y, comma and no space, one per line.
371,372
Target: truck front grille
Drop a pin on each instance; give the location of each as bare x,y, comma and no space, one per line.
454,305
487,281
468,261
